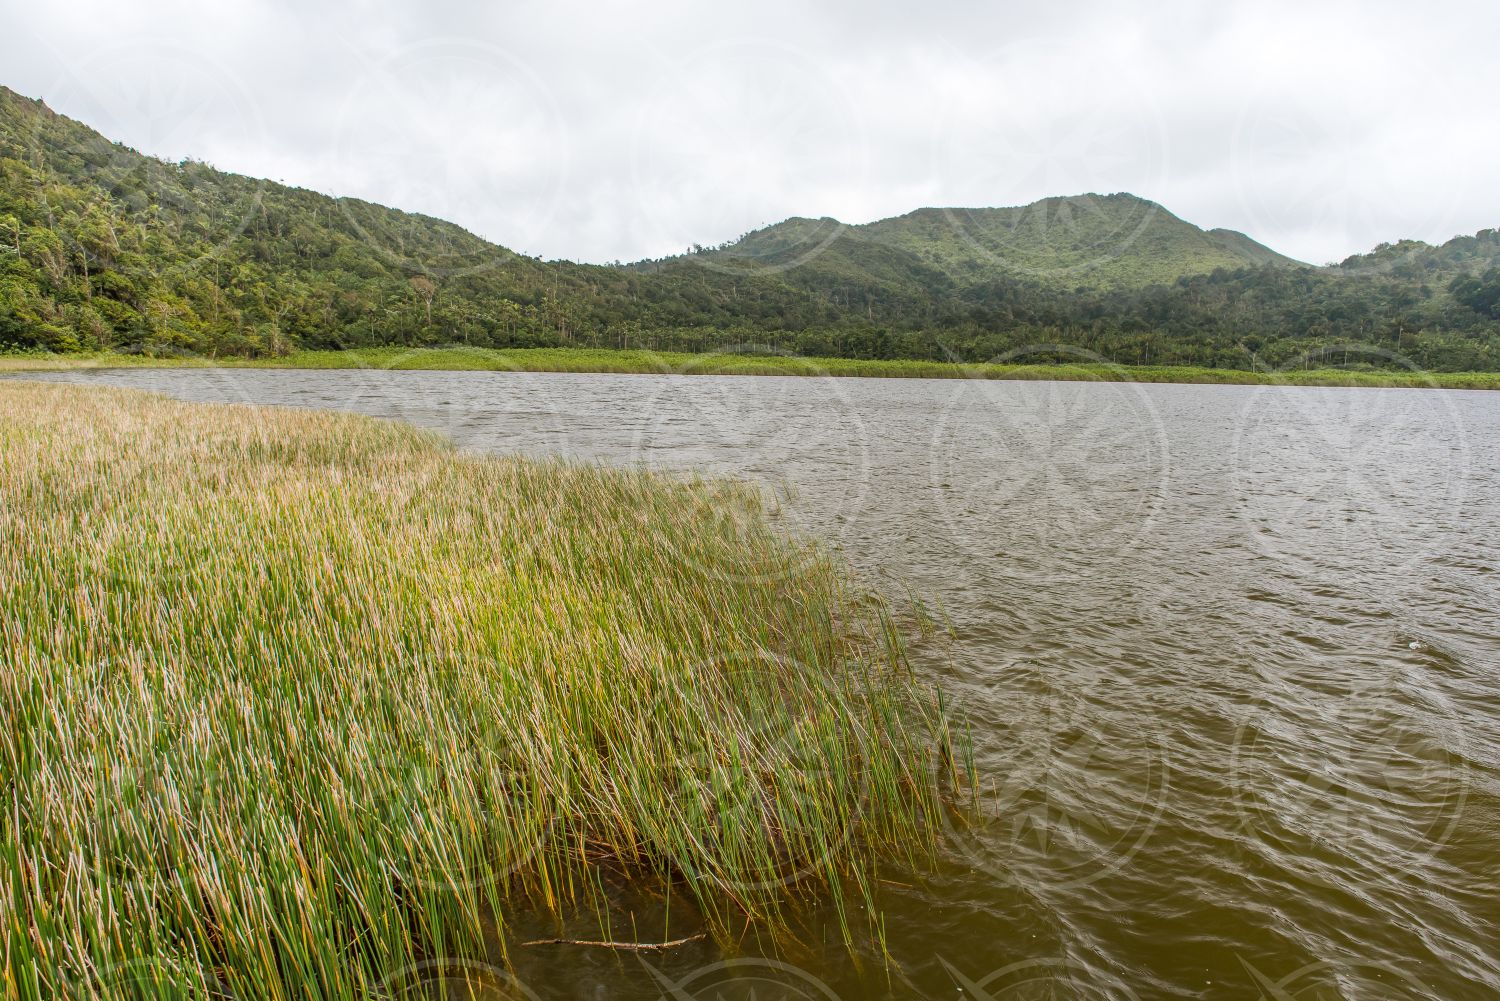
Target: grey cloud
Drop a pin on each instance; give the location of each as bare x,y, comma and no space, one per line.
614,130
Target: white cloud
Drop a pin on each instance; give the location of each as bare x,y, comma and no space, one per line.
609,130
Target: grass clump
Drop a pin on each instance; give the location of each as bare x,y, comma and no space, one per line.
294,700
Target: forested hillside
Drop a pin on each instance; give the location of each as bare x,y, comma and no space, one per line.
104,248
1082,241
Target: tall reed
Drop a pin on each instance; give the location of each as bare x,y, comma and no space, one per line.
291,700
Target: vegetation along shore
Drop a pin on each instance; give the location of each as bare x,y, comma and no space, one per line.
295,700
104,248
685,363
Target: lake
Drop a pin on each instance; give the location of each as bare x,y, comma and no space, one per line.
1230,655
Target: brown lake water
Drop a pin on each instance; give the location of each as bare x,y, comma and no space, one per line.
1231,658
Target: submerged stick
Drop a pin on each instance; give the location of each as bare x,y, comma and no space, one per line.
632,946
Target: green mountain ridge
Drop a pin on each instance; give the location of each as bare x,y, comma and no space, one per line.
1245,249
1080,240
1089,240
102,247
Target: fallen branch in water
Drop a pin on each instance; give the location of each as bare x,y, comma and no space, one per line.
632,946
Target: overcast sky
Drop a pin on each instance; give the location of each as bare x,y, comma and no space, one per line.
608,130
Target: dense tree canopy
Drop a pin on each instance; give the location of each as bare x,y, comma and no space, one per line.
102,247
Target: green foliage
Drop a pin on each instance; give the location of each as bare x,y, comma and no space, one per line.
1092,241
295,701
1482,294
617,360
104,248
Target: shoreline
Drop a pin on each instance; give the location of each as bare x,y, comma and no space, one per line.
640,362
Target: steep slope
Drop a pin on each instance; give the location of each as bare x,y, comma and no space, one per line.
111,248
103,247
1249,252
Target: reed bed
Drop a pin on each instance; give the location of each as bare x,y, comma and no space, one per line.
626,362
293,701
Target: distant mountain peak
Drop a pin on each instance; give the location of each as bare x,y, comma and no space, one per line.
1097,240
104,247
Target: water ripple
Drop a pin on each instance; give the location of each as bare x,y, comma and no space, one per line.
1231,656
